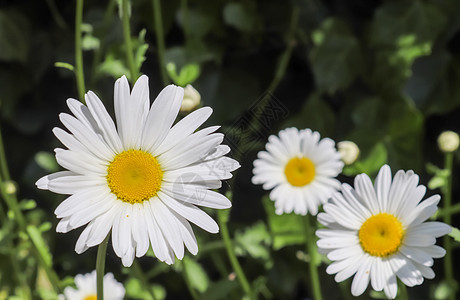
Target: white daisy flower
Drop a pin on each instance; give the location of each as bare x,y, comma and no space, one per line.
300,168
142,179
87,288
378,232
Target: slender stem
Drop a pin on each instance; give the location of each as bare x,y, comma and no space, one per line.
280,70
312,251
3,163
157,17
221,218
100,267
190,288
402,294
12,203
128,44
447,193
79,52
140,275
184,10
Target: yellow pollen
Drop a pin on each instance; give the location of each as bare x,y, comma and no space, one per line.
381,235
91,297
299,171
134,176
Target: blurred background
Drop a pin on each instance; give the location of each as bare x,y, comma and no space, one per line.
383,74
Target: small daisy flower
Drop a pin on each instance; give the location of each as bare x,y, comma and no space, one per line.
141,180
300,168
378,232
87,289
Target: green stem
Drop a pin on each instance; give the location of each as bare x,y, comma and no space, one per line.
222,220
312,251
157,17
280,70
190,288
140,275
13,205
447,218
100,267
79,52
128,43
402,294
184,10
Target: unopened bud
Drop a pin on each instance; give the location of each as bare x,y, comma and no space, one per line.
192,99
10,187
448,141
349,152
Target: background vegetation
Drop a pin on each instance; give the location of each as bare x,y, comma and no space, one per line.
384,74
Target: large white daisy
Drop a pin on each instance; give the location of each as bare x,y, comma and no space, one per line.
300,168
378,232
141,179
86,288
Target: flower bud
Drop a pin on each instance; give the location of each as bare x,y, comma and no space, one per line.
191,99
448,141
349,152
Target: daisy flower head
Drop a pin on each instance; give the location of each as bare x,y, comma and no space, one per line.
142,178
299,168
378,232
87,288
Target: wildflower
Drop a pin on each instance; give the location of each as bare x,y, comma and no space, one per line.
448,141
378,232
300,168
141,180
349,151
86,288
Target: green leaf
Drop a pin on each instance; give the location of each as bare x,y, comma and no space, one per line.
286,229
420,19
455,234
64,65
134,289
13,37
315,114
253,241
336,57
141,48
114,67
196,274
90,42
404,136
187,75
27,204
370,165
47,161
221,289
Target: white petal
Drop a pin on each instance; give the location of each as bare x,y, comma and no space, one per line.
167,223
382,186
161,116
361,279
184,128
197,195
191,213
104,121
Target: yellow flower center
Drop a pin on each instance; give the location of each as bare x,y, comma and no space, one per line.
134,176
381,235
299,171
91,297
